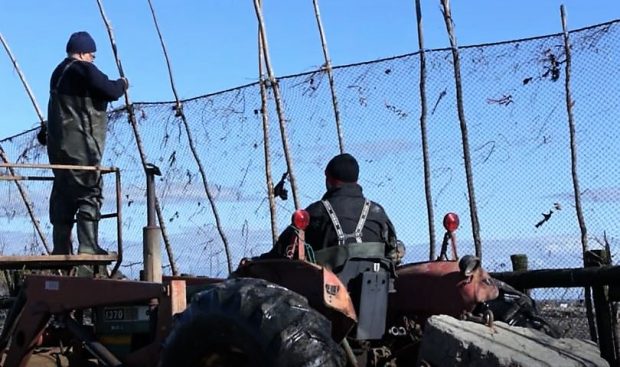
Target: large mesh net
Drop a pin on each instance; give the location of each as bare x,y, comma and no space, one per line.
516,113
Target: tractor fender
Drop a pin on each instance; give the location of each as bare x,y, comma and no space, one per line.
321,287
439,287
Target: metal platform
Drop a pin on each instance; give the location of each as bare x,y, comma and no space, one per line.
54,261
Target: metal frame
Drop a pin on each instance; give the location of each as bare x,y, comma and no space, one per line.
103,170
44,297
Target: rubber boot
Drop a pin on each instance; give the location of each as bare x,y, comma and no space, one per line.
87,231
61,236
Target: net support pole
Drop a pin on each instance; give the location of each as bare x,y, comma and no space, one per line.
424,135
192,146
473,211
134,125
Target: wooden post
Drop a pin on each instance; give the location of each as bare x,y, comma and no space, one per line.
519,263
561,278
598,258
456,59
279,105
134,126
423,113
192,147
262,83
330,75
573,156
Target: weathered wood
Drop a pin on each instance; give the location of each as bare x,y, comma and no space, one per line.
330,75
134,126
424,135
193,150
273,82
59,166
602,311
573,160
29,205
264,112
554,278
23,79
456,60
519,263
54,261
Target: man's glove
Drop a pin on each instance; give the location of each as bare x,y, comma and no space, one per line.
42,135
397,253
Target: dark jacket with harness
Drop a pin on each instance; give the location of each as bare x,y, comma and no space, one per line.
77,126
348,205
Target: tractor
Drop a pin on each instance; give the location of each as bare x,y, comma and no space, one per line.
345,305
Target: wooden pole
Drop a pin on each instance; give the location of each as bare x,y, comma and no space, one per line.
23,79
26,199
473,211
22,191
573,156
561,278
192,145
423,132
330,75
596,259
280,110
266,141
520,263
134,126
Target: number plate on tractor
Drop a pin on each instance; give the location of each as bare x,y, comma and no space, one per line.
135,313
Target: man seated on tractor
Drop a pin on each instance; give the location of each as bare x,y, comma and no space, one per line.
343,216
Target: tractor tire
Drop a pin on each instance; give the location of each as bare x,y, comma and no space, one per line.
251,322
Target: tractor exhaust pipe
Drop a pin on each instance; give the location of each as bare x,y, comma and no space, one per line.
151,234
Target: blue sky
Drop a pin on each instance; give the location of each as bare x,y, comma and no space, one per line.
212,44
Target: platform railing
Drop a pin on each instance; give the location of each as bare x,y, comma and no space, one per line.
101,169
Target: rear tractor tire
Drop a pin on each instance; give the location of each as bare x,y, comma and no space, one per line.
251,322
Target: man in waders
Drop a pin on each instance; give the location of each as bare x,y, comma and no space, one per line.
76,132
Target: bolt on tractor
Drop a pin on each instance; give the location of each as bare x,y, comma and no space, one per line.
341,306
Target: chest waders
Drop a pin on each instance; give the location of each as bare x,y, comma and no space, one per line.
61,232
64,205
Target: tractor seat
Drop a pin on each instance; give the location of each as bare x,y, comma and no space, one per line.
336,257
369,277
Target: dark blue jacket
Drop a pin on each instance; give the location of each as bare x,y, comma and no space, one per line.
347,201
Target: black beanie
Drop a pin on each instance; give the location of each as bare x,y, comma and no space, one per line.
343,167
81,42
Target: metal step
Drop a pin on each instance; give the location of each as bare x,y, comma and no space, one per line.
54,261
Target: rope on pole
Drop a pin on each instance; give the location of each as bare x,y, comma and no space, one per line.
266,141
473,211
22,191
276,92
23,79
423,132
330,75
29,207
573,156
192,145
134,125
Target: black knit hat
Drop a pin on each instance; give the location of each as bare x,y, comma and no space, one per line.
81,42
343,167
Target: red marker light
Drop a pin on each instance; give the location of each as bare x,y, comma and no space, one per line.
451,222
301,219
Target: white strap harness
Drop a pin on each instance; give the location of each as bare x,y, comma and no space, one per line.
342,237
